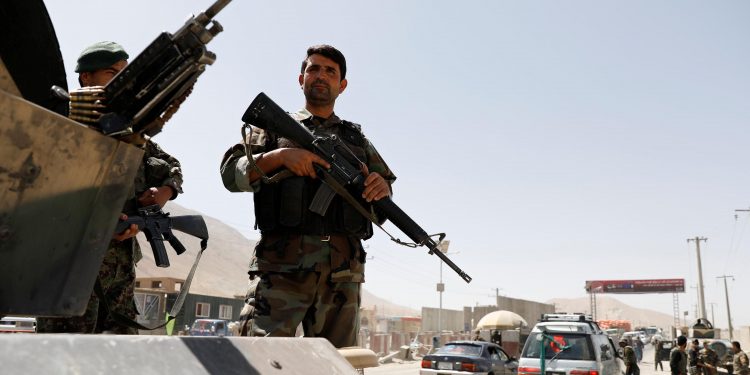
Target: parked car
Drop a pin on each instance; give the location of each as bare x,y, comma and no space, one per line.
635,335
464,357
573,344
209,327
16,324
666,348
613,333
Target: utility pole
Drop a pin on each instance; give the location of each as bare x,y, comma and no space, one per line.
712,313
497,297
697,300
701,301
443,247
729,314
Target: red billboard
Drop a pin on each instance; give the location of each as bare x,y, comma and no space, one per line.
636,286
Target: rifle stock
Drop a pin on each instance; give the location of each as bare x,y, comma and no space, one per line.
265,114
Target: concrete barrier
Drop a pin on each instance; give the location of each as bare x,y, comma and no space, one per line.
113,354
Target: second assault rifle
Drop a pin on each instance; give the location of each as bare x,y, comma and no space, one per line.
345,176
157,226
144,95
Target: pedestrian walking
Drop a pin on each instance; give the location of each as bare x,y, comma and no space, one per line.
658,347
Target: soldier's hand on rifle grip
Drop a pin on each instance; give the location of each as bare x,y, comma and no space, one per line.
155,195
376,187
300,161
127,233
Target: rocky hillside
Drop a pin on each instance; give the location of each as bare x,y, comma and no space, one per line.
610,308
223,267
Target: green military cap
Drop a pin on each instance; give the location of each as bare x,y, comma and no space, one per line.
99,56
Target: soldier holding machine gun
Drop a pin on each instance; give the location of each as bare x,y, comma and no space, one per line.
158,180
307,268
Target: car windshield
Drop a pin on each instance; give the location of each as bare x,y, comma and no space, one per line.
202,325
579,347
460,349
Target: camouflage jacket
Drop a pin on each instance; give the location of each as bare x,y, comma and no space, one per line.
234,165
158,169
296,252
709,357
740,363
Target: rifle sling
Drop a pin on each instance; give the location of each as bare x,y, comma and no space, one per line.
176,307
253,166
341,190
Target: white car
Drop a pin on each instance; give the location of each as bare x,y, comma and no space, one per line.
572,344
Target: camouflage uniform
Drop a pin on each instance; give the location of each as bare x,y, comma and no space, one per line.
740,363
709,359
296,277
117,272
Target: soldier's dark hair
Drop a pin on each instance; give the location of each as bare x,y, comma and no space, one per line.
329,52
737,344
682,340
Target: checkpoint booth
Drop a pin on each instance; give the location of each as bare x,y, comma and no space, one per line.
509,325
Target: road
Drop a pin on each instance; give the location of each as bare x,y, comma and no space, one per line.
412,367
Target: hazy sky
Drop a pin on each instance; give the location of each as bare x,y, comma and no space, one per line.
554,141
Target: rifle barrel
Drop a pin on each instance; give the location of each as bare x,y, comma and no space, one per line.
409,227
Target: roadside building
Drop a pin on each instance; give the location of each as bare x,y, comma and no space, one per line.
155,297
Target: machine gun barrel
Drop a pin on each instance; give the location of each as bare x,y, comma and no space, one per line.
142,97
205,17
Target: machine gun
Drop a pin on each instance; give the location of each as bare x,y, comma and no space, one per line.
344,177
142,97
157,226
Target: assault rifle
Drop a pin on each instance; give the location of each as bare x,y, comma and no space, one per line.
344,177
159,77
157,226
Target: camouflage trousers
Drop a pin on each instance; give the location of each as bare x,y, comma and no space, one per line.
277,302
117,278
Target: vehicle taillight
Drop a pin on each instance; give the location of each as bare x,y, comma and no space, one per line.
529,370
468,366
584,372
426,363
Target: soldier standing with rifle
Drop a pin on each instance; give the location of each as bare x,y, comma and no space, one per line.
158,180
307,268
